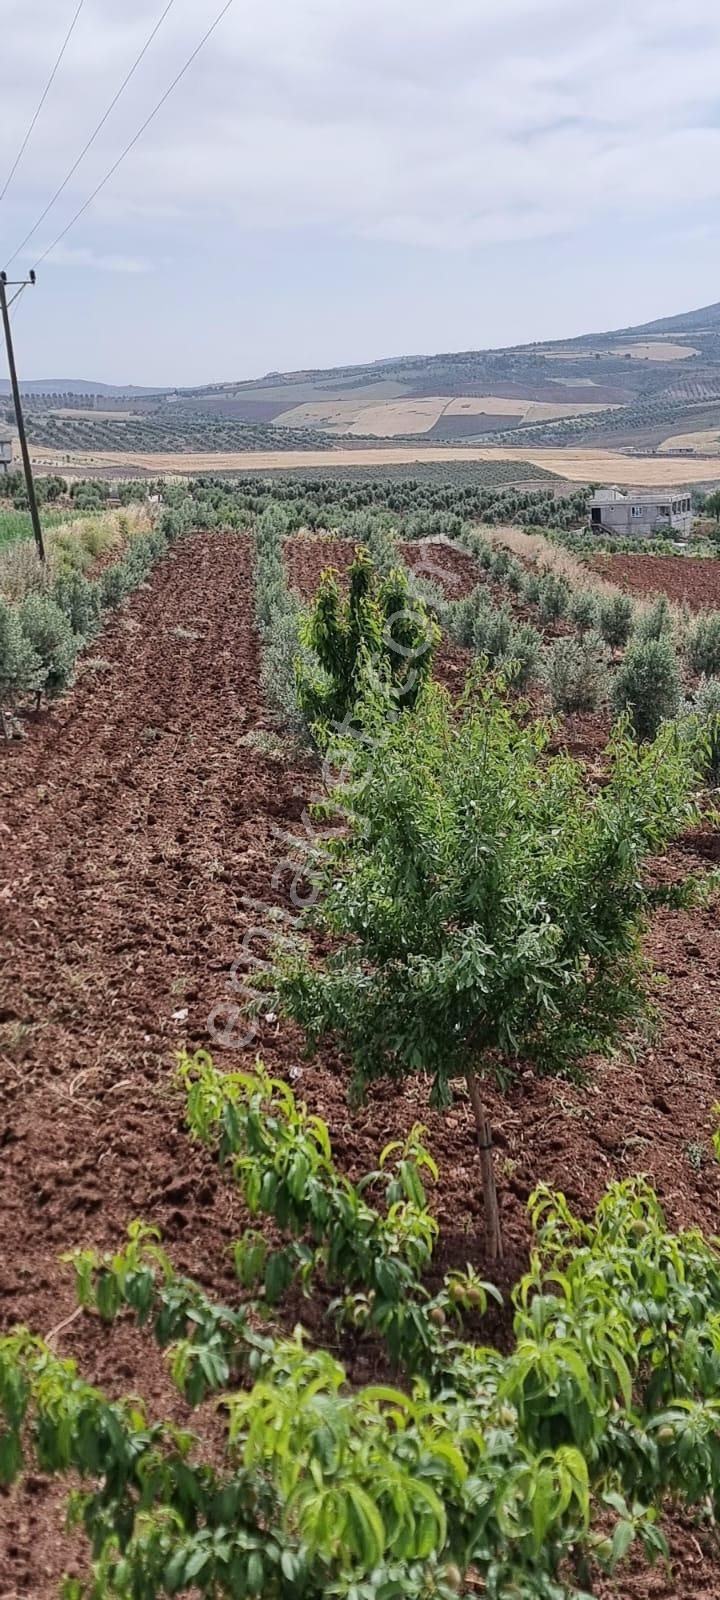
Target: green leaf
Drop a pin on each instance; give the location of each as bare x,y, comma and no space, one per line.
623,1536
255,1573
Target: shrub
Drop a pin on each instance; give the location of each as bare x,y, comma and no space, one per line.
703,645
515,577
68,552
577,673
21,669
492,632
500,564
21,571
113,584
523,654
530,589
656,622
486,556
485,907
279,619
156,544
703,716
50,636
80,601
459,616
279,667
584,611
616,620
378,539
140,557
553,597
647,685
96,537
270,596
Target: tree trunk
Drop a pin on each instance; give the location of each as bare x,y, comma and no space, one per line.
487,1169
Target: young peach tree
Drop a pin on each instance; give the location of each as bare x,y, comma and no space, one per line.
379,626
486,905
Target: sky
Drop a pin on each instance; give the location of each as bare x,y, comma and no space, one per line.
336,181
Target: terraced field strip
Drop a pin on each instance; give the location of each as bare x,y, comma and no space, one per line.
578,466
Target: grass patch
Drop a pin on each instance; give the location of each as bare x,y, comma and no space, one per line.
16,524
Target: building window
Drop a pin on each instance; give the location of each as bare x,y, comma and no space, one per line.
637,511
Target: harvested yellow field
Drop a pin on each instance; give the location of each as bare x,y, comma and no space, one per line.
649,350
704,442
656,350
388,418
578,466
384,418
399,416
530,410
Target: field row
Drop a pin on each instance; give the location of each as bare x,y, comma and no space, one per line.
150,824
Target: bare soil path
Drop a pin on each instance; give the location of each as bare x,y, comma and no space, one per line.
141,823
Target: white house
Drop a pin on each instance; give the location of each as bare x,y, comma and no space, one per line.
6,454
642,515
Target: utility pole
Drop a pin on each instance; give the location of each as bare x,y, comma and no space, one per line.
19,285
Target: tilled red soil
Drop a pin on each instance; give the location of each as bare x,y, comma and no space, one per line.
141,823
693,581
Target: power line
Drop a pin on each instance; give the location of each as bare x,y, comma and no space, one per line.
94,134
17,402
138,135
41,103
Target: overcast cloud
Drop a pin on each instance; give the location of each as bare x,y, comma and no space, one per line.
338,180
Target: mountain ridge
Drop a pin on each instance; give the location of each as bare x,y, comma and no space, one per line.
703,317
655,385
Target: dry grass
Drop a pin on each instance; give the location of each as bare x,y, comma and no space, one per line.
705,441
535,551
77,543
578,466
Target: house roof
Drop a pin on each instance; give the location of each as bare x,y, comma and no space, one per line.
643,497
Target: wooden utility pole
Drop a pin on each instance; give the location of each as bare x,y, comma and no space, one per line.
29,481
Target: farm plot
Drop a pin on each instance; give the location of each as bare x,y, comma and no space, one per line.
695,583
141,825
581,465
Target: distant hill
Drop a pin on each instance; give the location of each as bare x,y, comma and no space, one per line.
632,388
79,386
706,317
